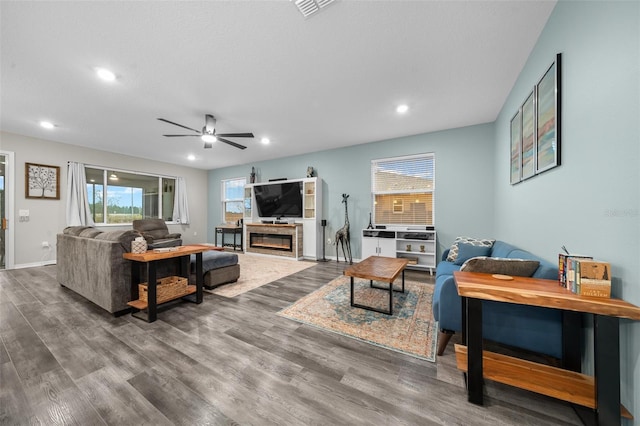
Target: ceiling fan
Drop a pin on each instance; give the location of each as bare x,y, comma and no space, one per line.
208,133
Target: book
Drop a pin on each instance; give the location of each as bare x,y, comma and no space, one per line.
593,278
564,268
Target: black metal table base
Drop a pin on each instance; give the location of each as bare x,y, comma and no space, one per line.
371,308
151,313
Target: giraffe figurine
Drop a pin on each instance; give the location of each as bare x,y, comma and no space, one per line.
342,235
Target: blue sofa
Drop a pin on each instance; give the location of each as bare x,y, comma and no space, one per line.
532,328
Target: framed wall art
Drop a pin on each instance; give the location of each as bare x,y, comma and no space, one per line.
516,146
528,167
41,181
548,119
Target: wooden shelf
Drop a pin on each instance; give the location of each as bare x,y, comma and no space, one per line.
551,381
142,304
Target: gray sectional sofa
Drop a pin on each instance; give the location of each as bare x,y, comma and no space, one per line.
90,262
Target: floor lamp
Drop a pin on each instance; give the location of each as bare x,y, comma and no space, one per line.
323,222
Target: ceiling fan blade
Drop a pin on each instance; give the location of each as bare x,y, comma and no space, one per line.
179,125
235,135
237,145
175,136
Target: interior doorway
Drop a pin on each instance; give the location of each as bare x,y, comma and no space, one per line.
6,209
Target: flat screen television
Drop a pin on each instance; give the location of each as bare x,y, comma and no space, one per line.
282,199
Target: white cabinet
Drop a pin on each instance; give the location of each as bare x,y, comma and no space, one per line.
310,216
419,246
312,230
378,243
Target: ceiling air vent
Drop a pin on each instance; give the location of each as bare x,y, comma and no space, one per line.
309,7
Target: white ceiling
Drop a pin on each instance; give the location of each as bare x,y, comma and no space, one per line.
328,81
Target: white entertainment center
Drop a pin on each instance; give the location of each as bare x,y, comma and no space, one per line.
417,244
309,232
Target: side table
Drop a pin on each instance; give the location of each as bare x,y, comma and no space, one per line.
229,229
599,393
150,260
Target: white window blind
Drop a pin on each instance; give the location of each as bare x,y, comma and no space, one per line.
233,199
402,190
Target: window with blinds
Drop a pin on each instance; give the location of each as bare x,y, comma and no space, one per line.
233,199
402,190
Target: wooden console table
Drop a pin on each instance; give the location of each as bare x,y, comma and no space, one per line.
600,393
149,260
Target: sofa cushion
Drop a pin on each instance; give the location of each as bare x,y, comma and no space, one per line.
453,251
493,265
123,237
74,230
90,233
467,251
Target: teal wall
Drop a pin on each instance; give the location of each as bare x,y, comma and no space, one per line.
462,180
591,202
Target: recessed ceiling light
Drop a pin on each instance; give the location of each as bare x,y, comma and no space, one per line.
401,109
47,124
191,157
265,141
105,74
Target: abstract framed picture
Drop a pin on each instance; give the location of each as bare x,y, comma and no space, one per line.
42,181
548,118
527,156
516,146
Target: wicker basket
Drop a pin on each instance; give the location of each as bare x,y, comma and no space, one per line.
168,288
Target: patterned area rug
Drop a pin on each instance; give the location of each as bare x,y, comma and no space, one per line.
411,330
256,271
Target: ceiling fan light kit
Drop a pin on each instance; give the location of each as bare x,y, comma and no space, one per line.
208,133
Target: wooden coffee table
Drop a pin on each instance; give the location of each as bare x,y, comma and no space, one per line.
378,268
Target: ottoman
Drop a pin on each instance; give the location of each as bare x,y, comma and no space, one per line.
218,267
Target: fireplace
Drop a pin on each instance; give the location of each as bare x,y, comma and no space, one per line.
271,241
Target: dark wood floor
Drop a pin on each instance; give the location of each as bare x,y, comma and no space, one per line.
227,361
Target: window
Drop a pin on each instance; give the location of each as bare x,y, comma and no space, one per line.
120,197
402,190
233,199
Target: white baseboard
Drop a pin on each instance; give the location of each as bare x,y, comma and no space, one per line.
34,264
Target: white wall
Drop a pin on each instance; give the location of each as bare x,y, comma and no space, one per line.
591,203
47,217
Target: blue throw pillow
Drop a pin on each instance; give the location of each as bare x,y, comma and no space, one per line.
467,251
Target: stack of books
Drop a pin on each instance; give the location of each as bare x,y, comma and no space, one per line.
584,276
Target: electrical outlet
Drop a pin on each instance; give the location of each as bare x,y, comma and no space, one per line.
45,244
328,240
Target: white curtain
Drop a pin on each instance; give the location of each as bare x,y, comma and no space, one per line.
180,204
78,212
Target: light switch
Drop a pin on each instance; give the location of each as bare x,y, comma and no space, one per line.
23,213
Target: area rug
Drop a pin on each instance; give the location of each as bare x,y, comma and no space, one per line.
256,271
410,330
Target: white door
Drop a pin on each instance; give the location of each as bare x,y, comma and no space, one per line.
6,209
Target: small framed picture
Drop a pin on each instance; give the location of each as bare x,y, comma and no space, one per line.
42,181
516,146
528,139
548,118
